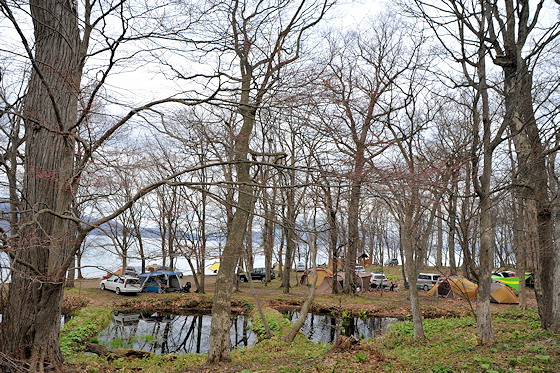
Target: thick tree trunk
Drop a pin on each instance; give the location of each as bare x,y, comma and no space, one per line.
532,176
220,343
219,349
31,315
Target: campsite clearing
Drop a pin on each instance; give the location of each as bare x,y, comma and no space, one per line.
449,325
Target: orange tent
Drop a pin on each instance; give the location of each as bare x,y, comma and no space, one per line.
455,287
321,274
500,293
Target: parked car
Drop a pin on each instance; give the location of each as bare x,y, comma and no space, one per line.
122,284
122,318
131,271
426,281
359,269
300,267
378,280
392,262
257,274
505,274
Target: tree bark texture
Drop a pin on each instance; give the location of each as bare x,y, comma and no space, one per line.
31,315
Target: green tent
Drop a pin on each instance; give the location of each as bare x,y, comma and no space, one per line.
512,282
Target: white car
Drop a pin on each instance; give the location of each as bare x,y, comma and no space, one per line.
122,284
378,280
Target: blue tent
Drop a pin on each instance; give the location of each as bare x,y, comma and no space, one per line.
162,281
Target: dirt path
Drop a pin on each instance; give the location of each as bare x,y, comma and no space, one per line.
376,303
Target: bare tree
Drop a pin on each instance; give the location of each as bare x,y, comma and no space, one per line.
360,78
261,40
511,25
47,234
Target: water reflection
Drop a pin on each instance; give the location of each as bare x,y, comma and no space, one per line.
163,333
321,328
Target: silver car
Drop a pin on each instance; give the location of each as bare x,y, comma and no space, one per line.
122,284
426,281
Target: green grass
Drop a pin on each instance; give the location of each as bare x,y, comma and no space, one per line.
83,326
452,345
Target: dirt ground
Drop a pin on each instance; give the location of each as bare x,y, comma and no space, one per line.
376,303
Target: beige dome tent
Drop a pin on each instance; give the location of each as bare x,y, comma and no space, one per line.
454,287
500,293
321,274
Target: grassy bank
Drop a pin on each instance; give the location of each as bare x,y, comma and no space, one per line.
451,346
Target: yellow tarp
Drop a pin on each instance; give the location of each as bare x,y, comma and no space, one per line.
214,267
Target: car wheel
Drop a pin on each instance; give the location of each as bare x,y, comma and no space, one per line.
426,288
102,286
118,291
263,279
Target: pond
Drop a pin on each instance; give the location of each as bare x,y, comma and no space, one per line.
164,333
323,328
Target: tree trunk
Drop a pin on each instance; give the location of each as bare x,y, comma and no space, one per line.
452,223
483,312
439,248
533,177
353,231
411,269
290,226
31,315
219,349
220,344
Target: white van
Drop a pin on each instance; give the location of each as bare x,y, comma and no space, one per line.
427,280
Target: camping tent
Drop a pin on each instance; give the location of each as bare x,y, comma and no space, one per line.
362,280
321,274
500,293
455,287
512,282
161,279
